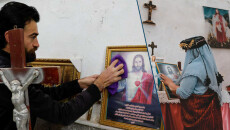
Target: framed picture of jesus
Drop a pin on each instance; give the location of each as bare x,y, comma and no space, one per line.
170,70
217,27
135,104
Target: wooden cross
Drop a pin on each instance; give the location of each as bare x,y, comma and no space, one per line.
150,6
152,46
20,75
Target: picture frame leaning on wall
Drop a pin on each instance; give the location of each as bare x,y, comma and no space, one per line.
135,104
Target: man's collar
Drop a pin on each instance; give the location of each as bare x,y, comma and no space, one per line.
4,53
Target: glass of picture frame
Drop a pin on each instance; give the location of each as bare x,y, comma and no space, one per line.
135,105
170,70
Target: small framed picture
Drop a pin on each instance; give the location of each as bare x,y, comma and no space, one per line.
170,70
135,104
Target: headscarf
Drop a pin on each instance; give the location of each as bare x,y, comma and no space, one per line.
199,62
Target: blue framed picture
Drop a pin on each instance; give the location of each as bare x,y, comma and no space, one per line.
170,70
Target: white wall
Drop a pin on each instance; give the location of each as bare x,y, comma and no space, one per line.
177,20
84,28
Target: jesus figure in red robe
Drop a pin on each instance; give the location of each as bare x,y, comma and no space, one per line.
219,27
139,84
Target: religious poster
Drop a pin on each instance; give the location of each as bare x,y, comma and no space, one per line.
135,104
170,70
217,27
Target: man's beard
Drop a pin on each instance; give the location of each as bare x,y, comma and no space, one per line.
170,72
137,68
30,56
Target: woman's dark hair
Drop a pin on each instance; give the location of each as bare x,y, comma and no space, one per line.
15,13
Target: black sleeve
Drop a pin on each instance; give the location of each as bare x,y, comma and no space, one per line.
43,106
62,91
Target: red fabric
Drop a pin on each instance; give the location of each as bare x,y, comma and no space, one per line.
221,35
171,114
200,112
147,86
226,116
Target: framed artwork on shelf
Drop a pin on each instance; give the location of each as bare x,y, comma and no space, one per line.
67,70
135,104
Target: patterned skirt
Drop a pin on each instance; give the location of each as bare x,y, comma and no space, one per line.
202,112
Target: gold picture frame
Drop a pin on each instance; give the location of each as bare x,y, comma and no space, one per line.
170,70
128,53
67,69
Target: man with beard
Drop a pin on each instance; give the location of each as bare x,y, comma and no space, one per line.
43,100
219,27
171,75
139,84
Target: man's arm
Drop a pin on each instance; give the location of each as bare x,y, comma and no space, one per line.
62,91
106,78
68,89
43,106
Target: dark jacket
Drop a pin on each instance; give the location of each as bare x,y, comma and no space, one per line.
44,101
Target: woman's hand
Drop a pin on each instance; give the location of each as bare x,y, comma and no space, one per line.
168,82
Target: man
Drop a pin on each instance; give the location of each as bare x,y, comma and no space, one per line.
44,101
139,85
219,27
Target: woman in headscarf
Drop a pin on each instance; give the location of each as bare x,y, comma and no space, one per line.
199,87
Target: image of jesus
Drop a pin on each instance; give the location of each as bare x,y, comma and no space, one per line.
139,84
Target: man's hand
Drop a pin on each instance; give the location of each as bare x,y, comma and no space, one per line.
109,76
168,82
87,81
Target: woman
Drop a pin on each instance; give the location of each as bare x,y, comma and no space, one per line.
198,87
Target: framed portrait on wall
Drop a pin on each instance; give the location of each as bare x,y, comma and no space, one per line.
170,70
217,27
135,104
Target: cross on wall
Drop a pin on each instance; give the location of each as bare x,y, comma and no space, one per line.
152,45
150,6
